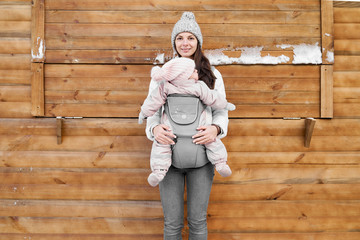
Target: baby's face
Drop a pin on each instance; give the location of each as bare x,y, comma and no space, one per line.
194,75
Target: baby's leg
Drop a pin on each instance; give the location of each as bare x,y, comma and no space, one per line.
160,161
217,155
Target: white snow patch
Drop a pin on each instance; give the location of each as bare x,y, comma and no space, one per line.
249,55
330,57
41,51
305,53
160,58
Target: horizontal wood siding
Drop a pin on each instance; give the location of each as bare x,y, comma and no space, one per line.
119,90
15,68
46,187
98,58
347,62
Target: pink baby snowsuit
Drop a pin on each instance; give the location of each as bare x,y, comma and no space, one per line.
174,79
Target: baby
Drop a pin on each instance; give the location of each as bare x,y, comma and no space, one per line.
180,76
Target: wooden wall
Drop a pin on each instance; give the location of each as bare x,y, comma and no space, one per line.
15,59
93,185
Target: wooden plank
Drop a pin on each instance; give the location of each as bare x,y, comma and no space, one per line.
232,192
142,84
134,71
347,47
16,2
347,63
189,6
130,127
140,160
95,97
15,93
327,31
15,29
135,209
81,225
347,30
22,236
110,209
15,109
132,97
15,13
132,110
171,17
140,143
105,56
248,192
14,46
99,83
37,89
346,4
289,144
37,31
71,159
347,110
91,110
120,177
83,192
74,143
327,98
80,70
211,236
347,95
285,236
163,42
298,224
162,30
275,111
346,79
15,76
346,15
15,62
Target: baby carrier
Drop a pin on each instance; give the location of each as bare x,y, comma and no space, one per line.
184,113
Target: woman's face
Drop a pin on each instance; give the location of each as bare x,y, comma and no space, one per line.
186,44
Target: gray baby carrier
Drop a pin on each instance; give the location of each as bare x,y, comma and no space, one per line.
184,113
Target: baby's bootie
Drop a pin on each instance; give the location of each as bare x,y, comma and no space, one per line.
223,169
230,107
156,177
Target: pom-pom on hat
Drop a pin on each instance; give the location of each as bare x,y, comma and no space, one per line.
176,69
187,23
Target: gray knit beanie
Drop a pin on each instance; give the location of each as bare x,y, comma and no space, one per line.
187,23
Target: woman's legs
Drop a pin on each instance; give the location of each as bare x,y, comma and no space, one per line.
198,183
172,200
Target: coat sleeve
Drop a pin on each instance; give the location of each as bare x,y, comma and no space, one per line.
220,116
154,120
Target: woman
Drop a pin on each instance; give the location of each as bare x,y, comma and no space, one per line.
186,39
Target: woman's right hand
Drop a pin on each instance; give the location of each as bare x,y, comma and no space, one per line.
163,134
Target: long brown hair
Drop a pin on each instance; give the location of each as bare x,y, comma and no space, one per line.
203,67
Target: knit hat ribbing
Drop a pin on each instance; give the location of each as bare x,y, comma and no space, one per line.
187,23
177,68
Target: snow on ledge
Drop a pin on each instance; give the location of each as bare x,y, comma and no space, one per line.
303,54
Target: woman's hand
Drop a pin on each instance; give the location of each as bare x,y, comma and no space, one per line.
163,134
206,134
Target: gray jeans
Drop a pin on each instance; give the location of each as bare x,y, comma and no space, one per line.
198,185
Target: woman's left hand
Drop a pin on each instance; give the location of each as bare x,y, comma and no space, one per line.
206,134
